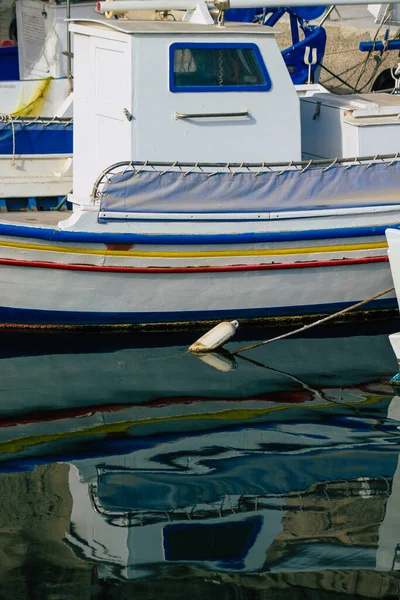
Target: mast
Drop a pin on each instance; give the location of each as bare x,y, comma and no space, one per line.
69,53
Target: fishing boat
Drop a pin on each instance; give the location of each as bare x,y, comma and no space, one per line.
205,186
36,103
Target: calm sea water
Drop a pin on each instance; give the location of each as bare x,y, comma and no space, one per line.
132,469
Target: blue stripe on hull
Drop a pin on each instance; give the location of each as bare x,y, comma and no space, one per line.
24,316
55,235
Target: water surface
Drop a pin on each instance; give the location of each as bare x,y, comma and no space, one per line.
132,469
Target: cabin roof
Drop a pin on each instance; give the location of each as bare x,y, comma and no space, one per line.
174,27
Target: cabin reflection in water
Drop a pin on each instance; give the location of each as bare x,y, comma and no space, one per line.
334,525
286,497
296,507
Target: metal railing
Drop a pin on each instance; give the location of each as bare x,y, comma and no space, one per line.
233,167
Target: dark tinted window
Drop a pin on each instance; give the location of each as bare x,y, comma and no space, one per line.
206,67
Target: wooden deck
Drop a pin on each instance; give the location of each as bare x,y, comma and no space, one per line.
40,218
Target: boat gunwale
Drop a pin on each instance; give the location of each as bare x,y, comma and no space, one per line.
96,237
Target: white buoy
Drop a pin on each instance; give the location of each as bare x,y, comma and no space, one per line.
216,337
221,362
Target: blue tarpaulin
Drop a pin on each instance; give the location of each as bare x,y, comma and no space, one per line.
36,138
314,188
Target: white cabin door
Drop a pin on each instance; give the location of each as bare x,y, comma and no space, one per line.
102,98
112,100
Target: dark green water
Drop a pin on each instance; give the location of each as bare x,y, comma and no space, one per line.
132,469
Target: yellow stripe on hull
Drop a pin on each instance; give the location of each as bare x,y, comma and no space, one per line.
202,254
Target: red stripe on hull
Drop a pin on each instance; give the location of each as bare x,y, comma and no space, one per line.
277,397
212,269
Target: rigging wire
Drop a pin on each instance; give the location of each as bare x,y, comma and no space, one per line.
379,57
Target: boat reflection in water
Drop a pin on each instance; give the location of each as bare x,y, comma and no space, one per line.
295,485
293,496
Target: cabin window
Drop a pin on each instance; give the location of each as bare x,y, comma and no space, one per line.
229,541
217,68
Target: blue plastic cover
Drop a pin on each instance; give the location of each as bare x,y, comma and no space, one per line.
38,138
314,188
309,13
9,67
242,15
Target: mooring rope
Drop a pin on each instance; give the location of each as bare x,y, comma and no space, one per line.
315,323
9,120
13,141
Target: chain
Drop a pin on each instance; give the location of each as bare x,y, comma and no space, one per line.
220,69
182,65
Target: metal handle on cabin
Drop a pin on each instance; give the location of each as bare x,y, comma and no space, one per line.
243,113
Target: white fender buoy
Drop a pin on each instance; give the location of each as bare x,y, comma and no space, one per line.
216,337
221,362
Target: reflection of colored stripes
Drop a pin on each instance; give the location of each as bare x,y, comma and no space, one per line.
123,427
212,269
201,254
291,397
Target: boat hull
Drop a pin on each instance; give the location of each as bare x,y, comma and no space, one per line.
76,297
72,276
35,176
35,139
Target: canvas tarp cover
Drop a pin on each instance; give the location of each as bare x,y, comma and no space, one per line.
148,191
37,138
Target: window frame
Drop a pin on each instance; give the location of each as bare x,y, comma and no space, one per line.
265,87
